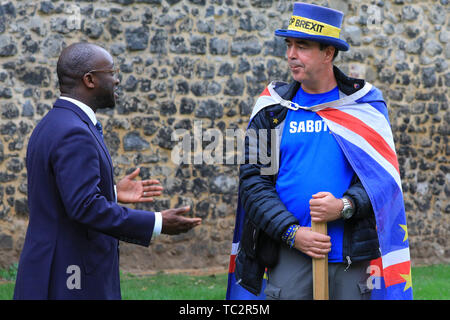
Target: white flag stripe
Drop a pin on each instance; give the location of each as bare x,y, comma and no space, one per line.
395,257
262,102
372,118
234,248
360,142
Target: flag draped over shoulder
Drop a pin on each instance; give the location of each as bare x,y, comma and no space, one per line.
360,124
234,290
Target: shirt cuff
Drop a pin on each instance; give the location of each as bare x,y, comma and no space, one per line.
158,224
115,193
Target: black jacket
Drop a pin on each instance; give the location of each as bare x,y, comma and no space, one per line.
266,216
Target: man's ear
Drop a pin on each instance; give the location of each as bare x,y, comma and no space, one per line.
88,80
329,53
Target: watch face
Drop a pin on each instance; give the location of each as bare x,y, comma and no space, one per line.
347,212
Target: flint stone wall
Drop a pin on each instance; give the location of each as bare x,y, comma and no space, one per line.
208,60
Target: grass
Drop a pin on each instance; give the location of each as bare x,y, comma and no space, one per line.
429,283
174,287
10,273
6,290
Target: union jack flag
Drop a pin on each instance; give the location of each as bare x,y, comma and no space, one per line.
360,124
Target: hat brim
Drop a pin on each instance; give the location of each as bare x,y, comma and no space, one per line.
338,43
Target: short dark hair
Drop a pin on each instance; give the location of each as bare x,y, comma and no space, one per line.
74,62
323,46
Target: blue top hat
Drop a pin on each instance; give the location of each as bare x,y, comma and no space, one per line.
315,23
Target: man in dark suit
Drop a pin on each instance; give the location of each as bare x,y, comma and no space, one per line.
75,223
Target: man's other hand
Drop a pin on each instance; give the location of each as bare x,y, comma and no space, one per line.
174,223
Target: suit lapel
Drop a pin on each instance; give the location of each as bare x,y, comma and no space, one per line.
61,103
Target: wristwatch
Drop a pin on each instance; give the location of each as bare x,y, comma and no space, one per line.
347,210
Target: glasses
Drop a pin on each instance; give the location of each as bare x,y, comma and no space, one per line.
114,71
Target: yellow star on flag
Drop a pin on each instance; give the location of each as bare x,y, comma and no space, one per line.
275,120
408,279
403,226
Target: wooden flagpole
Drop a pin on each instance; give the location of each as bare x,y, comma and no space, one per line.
320,267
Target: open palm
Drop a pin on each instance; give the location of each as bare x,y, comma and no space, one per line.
130,190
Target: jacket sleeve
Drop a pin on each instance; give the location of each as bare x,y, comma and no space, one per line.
363,206
259,197
76,165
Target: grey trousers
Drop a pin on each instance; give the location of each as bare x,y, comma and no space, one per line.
291,279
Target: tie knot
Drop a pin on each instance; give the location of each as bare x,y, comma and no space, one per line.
99,127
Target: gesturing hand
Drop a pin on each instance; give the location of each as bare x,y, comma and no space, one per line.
174,223
132,191
315,245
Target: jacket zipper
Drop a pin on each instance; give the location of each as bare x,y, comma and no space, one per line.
349,262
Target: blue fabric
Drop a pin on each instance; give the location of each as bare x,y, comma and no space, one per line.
314,12
387,201
236,292
75,223
312,161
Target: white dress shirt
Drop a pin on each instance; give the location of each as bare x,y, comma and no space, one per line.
91,114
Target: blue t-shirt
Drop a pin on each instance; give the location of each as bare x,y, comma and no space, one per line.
312,161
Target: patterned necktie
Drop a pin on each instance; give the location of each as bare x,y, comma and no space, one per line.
99,128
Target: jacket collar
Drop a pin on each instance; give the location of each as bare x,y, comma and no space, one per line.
346,84
62,103
86,109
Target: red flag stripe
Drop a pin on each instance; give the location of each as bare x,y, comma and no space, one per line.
232,263
379,264
392,274
371,136
265,92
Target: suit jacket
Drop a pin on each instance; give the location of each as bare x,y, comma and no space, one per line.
71,245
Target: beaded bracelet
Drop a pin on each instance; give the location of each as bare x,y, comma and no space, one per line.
289,236
287,233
